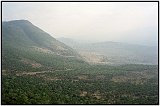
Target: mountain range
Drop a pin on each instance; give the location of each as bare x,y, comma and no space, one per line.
115,52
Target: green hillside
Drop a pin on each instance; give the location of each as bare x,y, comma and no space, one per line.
25,44
22,33
38,69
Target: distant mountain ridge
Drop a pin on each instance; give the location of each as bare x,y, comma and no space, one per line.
117,52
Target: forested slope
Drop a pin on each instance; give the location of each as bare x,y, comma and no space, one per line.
38,69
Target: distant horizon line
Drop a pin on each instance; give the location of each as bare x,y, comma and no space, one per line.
106,41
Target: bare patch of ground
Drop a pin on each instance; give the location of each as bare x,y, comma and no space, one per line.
34,64
39,72
97,95
52,78
64,55
45,50
144,74
82,77
61,48
4,72
32,73
74,80
132,79
120,79
99,77
92,57
40,75
83,93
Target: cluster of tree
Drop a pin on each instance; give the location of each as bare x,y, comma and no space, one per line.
36,90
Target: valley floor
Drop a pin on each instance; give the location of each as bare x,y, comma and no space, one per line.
96,84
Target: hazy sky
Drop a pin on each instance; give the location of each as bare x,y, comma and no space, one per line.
134,22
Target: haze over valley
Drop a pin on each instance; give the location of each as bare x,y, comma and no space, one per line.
114,52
